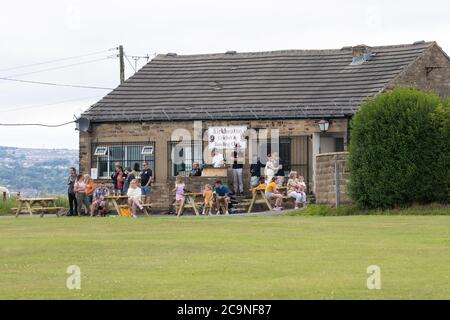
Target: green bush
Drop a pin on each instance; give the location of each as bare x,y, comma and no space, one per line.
399,150
434,209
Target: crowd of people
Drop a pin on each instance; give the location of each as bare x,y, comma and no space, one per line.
270,181
84,193
136,184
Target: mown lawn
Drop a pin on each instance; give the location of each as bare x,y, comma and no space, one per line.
226,258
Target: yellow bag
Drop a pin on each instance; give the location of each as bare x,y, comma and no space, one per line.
125,212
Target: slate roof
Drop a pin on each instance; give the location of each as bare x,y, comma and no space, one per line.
260,85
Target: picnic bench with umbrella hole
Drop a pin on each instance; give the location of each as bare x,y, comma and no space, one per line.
189,202
38,205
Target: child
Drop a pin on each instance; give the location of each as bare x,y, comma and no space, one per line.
294,189
272,193
179,191
134,197
302,184
90,187
208,198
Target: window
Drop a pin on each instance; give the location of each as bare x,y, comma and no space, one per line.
130,156
183,155
147,151
100,151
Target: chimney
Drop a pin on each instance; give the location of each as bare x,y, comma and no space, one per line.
360,50
361,54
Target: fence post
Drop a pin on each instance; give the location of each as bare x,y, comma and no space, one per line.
337,183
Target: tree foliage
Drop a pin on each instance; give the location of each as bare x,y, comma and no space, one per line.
400,150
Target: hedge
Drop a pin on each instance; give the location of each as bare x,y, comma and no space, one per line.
400,150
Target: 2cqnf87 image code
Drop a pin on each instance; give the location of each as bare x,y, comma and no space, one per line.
232,309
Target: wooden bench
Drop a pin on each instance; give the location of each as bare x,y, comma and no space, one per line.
38,205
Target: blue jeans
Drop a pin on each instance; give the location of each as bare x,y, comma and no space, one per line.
146,190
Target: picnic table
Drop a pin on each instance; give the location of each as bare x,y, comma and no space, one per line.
38,205
261,193
189,202
122,202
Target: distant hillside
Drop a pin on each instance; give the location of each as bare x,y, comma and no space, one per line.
36,172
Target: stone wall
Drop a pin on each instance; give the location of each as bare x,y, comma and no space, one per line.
325,178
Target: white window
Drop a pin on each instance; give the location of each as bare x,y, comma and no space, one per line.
100,151
147,151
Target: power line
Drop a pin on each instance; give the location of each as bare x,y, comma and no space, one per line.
56,68
36,124
129,62
57,60
48,104
56,84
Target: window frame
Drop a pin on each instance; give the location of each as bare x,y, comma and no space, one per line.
97,159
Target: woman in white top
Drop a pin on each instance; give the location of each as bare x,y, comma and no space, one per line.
270,168
80,194
218,160
134,197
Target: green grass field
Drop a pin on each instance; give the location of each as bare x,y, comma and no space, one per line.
226,258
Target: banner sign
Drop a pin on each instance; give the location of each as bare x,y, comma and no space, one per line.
227,137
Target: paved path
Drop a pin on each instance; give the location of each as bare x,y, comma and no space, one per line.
187,216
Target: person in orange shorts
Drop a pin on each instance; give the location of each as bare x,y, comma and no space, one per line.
208,199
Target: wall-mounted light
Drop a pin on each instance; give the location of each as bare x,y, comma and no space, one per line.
324,125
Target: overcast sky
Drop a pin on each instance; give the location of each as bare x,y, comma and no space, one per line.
38,31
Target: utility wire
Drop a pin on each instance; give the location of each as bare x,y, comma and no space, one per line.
57,60
126,57
56,68
56,84
36,124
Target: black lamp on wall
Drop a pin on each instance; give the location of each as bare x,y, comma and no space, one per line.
324,125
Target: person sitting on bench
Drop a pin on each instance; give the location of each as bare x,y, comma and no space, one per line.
272,193
295,189
221,192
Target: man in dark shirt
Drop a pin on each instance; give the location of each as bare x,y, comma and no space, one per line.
255,173
146,182
71,193
196,170
238,184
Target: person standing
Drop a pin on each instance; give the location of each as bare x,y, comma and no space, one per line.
270,168
71,193
238,184
131,175
80,194
255,173
118,178
279,169
146,182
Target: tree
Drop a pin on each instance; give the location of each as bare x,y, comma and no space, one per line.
399,150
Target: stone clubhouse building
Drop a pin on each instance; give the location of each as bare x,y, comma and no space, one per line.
310,96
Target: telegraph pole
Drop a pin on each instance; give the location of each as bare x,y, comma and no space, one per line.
122,65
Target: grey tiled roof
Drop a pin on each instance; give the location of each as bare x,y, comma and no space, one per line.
260,85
